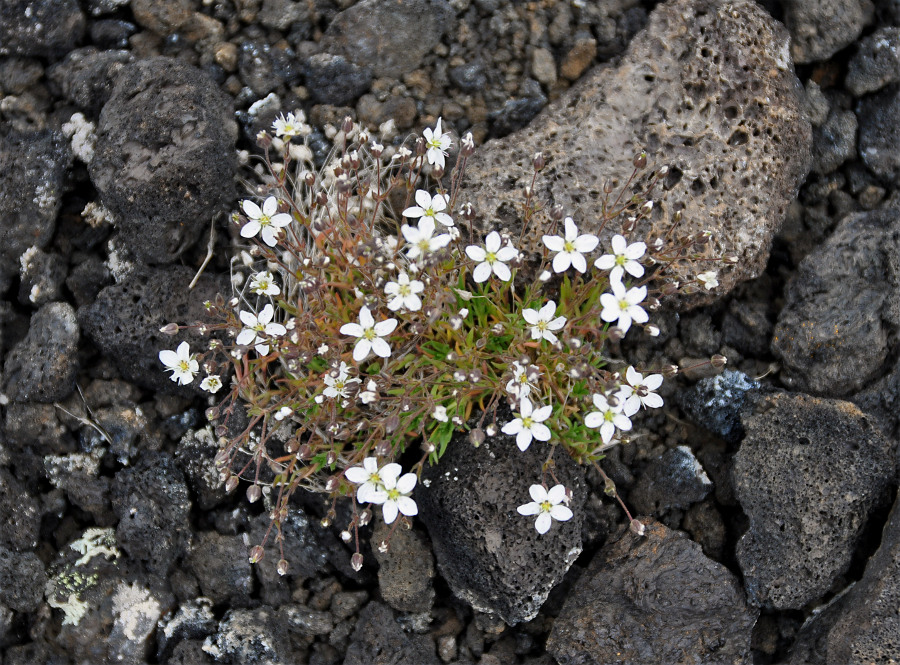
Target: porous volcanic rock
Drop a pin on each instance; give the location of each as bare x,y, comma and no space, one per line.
164,157
491,556
654,599
821,28
46,28
708,89
807,475
841,307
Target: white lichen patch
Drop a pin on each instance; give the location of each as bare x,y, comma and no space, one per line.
64,592
59,467
96,542
96,214
82,136
136,612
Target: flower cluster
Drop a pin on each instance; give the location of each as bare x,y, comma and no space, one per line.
362,332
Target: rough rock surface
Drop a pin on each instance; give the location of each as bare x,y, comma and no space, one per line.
379,640
489,554
332,79
716,403
832,344
405,570
86,76
32,173
222,568
834,142
879,134
164,156
807,475
125,319
876,63
821,28
675,479
708,89
45,29
654,599
42,367
250,636
390,36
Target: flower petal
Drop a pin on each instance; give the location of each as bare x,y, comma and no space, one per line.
502,271
561,513
543,522
557,494
353,329
561,262
529,509
390,511
406,483
361,350
270,206
251,209
407,506
554,243
385,327
482,272
540,432
381,348
538,493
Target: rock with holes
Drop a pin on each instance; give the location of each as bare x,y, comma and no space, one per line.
707,88
821,28
125,319
164,157
42,28
879,133
654,599
807,475
834,334
876,63
491,556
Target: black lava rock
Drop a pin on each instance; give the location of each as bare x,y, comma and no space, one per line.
654,599
222,568
45,29
807,475
332,79
20,515
716,403
42,367
87,75
164,158
879,134
22,580
379,640
876,63
675,479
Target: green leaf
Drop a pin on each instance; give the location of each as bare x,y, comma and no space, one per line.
317,364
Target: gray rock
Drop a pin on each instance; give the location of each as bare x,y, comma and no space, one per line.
485,550
164,156
469,77
747,328
654,599
41,277
191,621
263,67
834,142
332,79
124,321
390,36
152,503
821,28
304,621
35,652
222,568
195,456
22,580
674,480
86,76
77,474
379,640
18,75
515,114
44,29
879,134
832,344
250,636
405,570
881,400
716,403
735,167
42,367
808,474
876,63
280,14
32,173
111,33
86,279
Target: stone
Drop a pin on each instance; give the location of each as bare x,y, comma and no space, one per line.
834,142
44,29
876,63
332,79
190,621
195,456
18,75
152,503
881,400
379,640
390,36
831,344
250,636
222,568
707,89
821,28
674,480
405,570
77,474
41,277
486,551
22,580
579,57
469,77
86,76
164,157
879,133
716,403
42,367
654,599
807,475
32,173
264,67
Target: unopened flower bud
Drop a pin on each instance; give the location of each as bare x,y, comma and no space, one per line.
365,517
615,333
346,536
557,212
647,207
420,146
609,487
256,554
467,145
491,430
331,458
212,413
730,258
331,484
640,160
169,329
652,330
322,197
669,371
637,528
437,172
476,436
607,186
325,522
231,484
718,360
254,492
282,567
347,124
263,140
538,161
663,170
629,225
383,449
356,562
669,288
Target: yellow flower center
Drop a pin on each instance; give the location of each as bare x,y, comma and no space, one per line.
568,246
527,422
369,334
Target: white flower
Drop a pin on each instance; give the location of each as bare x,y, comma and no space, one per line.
398,491
338,385
708,279
521,384
623,259
370,335
430,206
542,322
639,391
529,425
571,248
437,143
403,293
622,305
492,258
290,126
212,383
371,480
420,238
259,328
265,221
263,283
608,418
440,414
283,413
548,506
181,362
370,394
